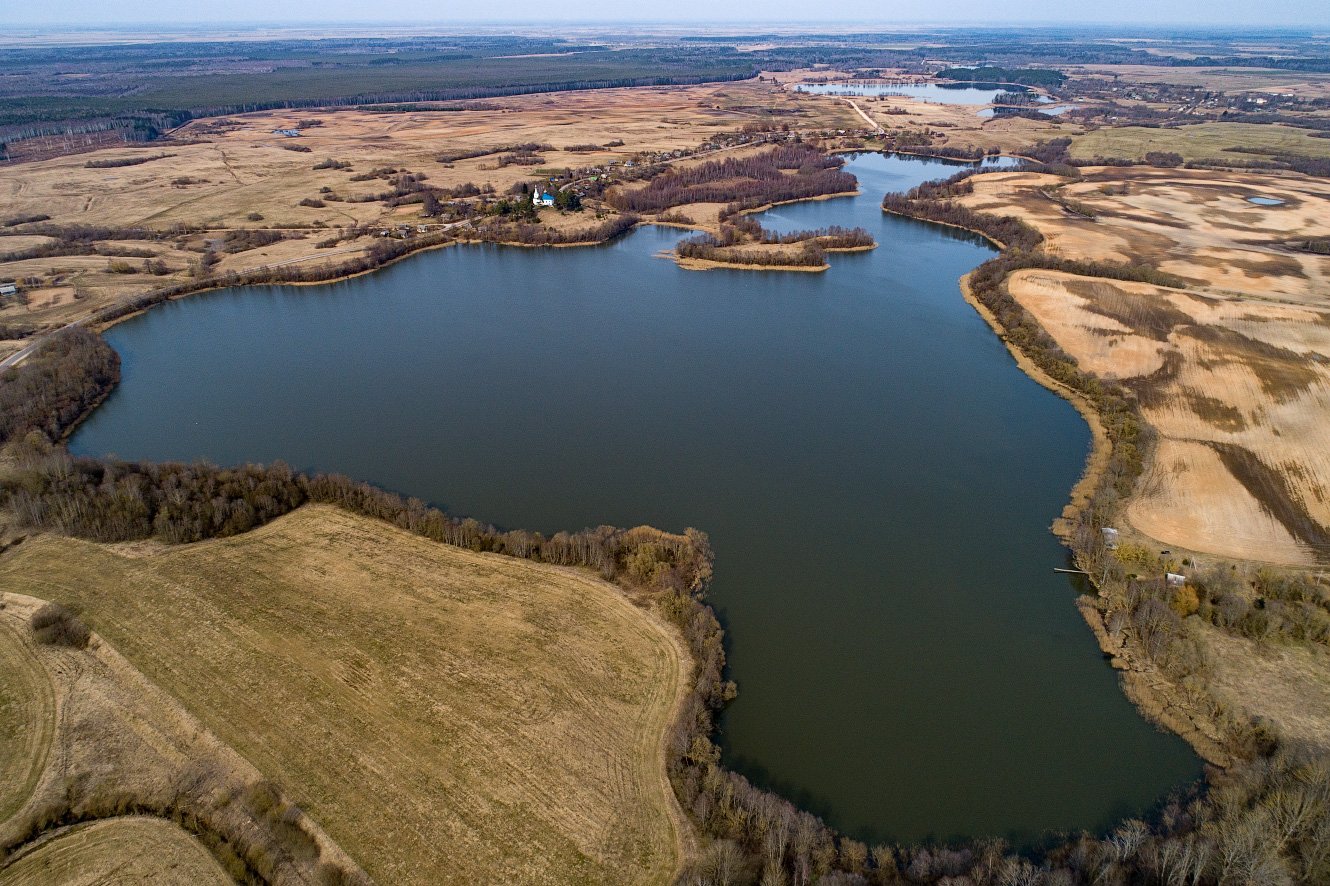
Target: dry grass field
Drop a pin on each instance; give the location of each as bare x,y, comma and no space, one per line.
92,737
1203,141
1233,373
1300,83
1288,684
447,717
27,720
133,849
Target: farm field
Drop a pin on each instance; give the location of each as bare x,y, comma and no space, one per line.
445,716
1203,141
118,850
1301,83
94,740
1231,373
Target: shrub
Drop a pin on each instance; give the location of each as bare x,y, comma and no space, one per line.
56,625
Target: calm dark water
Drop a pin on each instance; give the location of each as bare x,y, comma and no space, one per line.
876,474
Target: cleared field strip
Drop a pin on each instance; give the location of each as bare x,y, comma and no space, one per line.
117,850
27,721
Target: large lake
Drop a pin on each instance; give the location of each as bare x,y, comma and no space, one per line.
876,474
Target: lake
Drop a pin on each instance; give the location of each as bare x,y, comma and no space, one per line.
876,474
946,94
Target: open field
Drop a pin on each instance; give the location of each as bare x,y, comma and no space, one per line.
445,716
117,850
1290,685
1203,141
27,720
1233,374
1300,83
99,740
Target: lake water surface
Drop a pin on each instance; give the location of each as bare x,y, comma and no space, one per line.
957,94
876,475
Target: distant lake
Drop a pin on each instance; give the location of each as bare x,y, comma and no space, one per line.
942,93
876,474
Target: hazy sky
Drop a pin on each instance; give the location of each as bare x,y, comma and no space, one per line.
445,12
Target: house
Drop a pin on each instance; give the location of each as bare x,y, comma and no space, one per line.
541,197
289,133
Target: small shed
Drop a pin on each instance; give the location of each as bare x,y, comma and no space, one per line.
1174,580
8,289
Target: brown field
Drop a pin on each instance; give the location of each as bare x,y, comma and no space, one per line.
1299,83
445,716
1233,373
96,736
1202,141
117,850
1287,684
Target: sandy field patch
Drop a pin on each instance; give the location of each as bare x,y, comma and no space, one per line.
1238,391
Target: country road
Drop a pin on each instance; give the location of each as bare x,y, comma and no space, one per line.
877,127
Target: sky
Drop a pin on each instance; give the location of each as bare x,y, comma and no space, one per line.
1224,13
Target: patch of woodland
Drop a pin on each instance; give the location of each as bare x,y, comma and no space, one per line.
534,234
116,162
54,624
51,391
452,156
728,246
788,172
